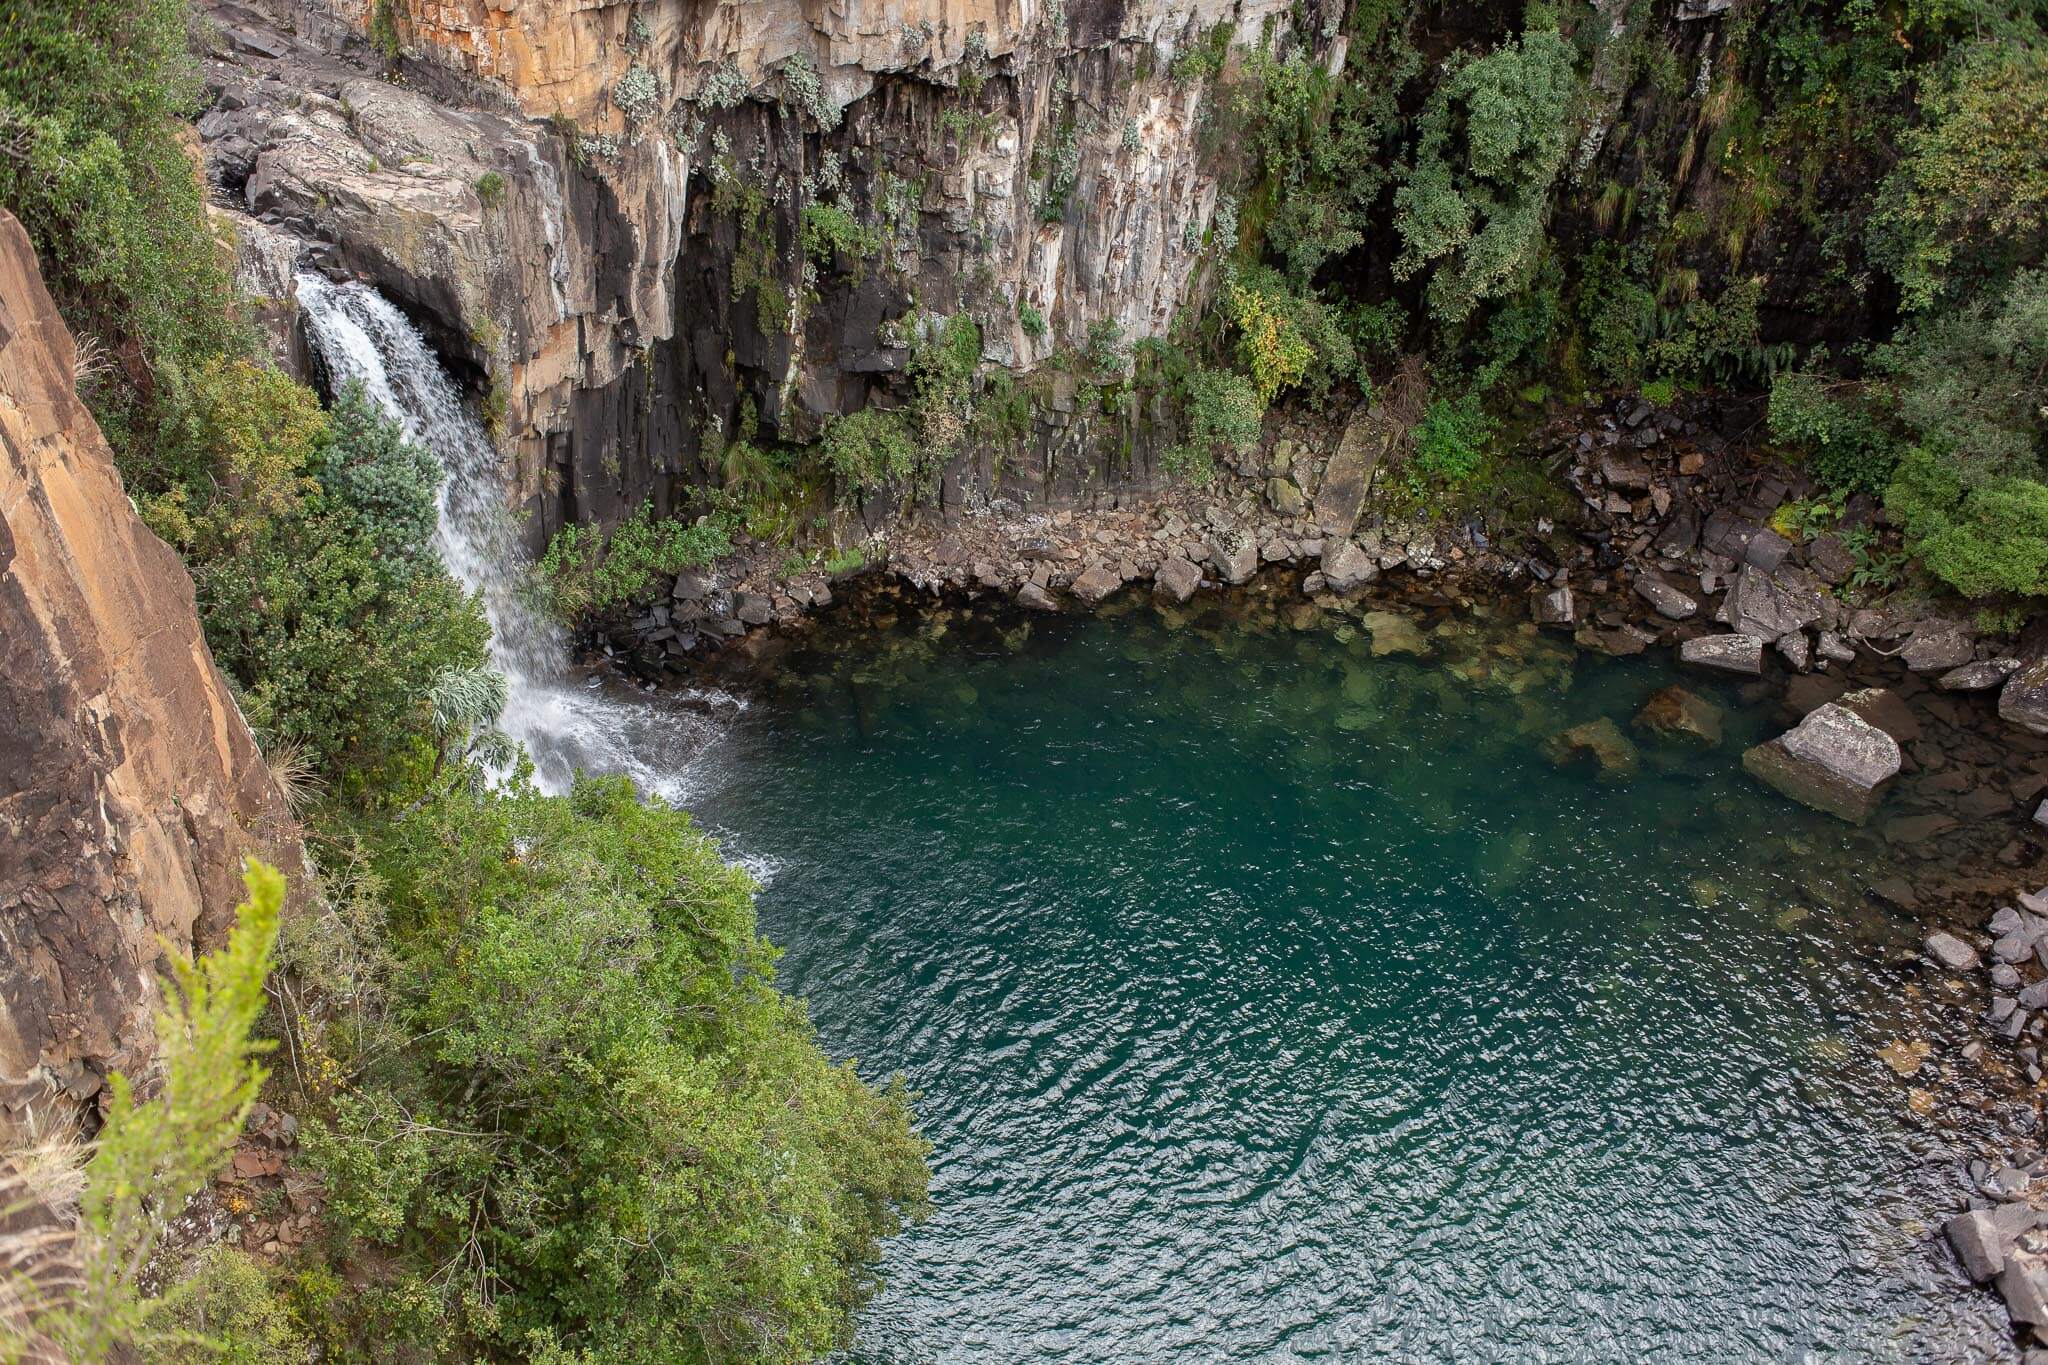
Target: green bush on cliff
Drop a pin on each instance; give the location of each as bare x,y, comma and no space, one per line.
1223,416
586,569
1493,138
586,1100
92,93
869,450
1970,195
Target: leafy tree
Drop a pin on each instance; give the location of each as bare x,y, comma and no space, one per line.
91,96
1493,139
335,618
595,1111
1970,194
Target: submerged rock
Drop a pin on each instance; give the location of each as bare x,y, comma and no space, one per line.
1036,598
1834,760
1599,742
1675,713
1729,653
1393,633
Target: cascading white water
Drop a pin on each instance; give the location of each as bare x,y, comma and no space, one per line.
567,719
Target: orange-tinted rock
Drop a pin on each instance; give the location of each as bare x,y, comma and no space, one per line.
130,788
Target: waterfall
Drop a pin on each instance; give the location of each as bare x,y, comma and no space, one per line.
567,718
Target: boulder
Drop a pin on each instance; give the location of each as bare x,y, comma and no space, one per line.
1284,497
1728,653
1341,495
1938,646
1664,599
1554,608
1979,1244
1766,550
1675,713
1835,648
1036,598
1095,583
2023,700
1950,951
1834,760
1236,558
1796,650
1980,676
753,608
1773,603
1176,579
1598,742
2023,1284
1346,567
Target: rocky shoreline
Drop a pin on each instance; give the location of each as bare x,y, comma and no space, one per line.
1900,719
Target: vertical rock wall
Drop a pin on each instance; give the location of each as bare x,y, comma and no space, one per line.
600,207
130,788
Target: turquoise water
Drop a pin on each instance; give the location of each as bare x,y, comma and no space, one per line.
1270,999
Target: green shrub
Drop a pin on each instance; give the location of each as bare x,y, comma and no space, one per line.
1970,192
153,1155
1493,138
1972,381
869,450
1450,441
1224,416
1982,541
1287,340
226,1311
585,570
490,189
1846,449
602,1109
829,230
1031,320
92,96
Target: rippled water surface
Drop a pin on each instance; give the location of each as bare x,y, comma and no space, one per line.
1270,999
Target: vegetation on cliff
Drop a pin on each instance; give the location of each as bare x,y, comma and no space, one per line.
561,1110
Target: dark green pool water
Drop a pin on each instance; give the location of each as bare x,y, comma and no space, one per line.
1270,999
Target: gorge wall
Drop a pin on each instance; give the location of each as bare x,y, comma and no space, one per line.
130,788
600,210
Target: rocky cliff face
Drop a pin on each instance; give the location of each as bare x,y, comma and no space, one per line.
601,208
130,789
